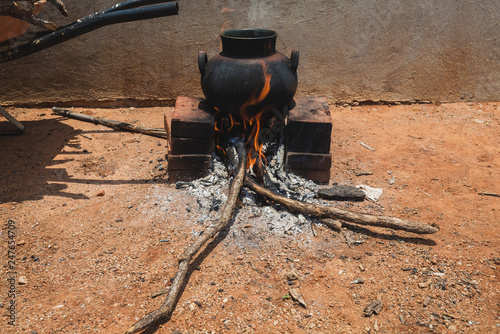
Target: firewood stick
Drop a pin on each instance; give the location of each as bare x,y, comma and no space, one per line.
110,123
165,311
323,211
332,223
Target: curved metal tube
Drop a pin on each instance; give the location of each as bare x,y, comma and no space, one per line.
124,12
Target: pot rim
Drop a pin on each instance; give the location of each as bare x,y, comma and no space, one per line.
249,34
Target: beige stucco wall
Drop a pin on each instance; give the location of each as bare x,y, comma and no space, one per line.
447,50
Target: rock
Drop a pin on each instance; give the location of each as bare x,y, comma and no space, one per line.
372,194
358,280
427,300
342,193
22,280
100,193
292,275
21,242
374,307
361,267
423,285
298,297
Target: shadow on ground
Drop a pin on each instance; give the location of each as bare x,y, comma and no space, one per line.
29,165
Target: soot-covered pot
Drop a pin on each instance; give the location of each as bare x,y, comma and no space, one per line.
249,74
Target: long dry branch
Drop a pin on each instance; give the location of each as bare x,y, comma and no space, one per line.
323,211
111,123
165,311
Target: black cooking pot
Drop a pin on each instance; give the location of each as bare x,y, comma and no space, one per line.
234,81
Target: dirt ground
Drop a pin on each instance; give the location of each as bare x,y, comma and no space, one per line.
86,263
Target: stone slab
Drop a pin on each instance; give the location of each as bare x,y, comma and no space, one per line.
342,193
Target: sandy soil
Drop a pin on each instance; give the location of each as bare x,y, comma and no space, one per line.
90,263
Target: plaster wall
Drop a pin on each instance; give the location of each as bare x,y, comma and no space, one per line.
381,50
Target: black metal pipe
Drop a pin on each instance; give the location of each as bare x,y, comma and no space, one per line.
90,23
129,4
132,4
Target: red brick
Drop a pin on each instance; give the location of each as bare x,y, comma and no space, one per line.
186,174
189,161
190,119
309,118
317,175
191,145
309,144
308,160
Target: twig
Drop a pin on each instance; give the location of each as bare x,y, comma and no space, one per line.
331,223
348,240
160,292
367,147
110,123
489,194
165,311
312,229
323,211
10,118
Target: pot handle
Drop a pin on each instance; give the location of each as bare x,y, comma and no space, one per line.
202,62
294,60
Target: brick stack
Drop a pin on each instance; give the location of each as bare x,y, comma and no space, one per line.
308,138
191,140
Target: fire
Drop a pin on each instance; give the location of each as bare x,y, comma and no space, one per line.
219,130
252,122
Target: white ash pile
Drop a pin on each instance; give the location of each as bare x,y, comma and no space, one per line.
210,193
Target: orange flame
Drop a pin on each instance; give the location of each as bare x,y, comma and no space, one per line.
218,131
253,123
